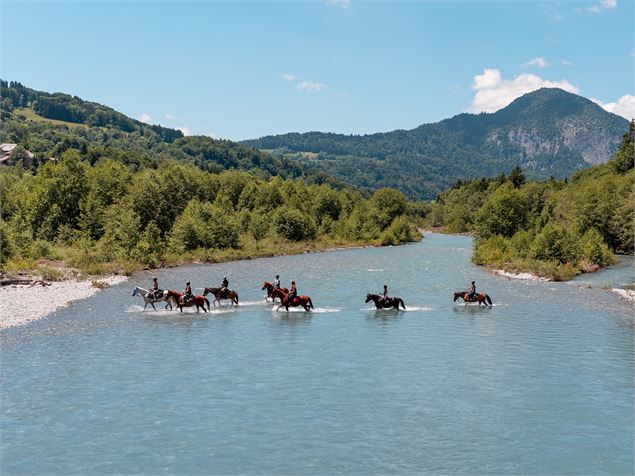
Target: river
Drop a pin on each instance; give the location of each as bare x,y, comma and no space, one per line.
541,383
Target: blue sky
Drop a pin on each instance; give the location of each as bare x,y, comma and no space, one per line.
241,70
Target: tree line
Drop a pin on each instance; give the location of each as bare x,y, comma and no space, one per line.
556,228
108,216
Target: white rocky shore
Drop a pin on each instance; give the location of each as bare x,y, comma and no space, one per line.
20,304
523,276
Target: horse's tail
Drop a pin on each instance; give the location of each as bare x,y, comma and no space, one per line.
488,300
401,302
310,303
206,301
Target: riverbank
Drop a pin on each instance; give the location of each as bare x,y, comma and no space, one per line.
21,304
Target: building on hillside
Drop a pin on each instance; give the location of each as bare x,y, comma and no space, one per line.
6,151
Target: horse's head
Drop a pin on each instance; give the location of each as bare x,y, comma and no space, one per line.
134,293
368,297
457,295
265,285
206,291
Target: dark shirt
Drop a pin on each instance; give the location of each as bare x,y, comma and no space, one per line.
293,292
188,290
225,283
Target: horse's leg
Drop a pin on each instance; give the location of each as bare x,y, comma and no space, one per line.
152,304
146,305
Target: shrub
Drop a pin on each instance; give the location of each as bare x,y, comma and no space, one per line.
400,231
595,250
555,242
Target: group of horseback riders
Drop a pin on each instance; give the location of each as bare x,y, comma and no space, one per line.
382,300
157,292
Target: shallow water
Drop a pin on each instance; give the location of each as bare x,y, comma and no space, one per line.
541,383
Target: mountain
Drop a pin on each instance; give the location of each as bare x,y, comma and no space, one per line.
48,124
548,132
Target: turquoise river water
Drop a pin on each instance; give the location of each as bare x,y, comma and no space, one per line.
541,383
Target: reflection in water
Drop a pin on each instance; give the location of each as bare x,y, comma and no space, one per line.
540,383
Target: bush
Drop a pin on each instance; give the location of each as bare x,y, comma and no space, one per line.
555,242
595,250
292,224
400,231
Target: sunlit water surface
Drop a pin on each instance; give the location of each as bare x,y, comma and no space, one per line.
542,383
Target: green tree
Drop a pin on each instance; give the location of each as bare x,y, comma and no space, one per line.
294,225
504,213
389,204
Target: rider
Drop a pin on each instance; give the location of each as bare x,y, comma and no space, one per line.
293,292
154,290
472,290
384,295
276,282
187,293
224,286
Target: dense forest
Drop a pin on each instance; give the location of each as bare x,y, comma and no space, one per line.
555,229
107,217
50,124
547,133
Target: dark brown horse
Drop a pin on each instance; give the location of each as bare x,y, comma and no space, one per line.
270,289
389,303
481,298
229,294
304,301
198,301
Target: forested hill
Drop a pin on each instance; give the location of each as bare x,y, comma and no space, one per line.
50,124
548,132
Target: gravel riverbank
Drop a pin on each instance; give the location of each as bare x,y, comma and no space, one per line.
20,304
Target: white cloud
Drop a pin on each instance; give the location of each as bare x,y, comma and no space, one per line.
567,63
145,118
539,61
185,130
624,106
494,93
339,3
172,117
311,86
633,53
603,5
212,135
288,77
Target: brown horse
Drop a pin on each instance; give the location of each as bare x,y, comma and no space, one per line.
481,298
304,301
198,301
270,289
229,294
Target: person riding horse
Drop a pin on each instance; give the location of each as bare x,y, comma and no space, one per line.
293,292
276,282
224,286
187,293
155,290
384,295
472,291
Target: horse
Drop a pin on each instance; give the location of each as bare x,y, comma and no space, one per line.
198,301
229,294
304,301
389,303
270,289
481,298
148,297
